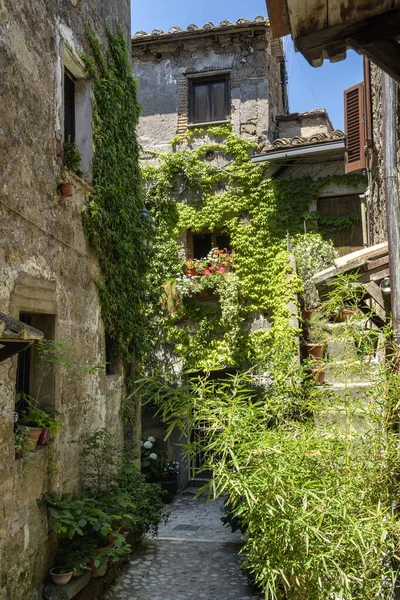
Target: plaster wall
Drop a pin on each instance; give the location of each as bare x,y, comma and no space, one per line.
163,68
304,124
46,267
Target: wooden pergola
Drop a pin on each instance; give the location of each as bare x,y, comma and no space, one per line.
328,28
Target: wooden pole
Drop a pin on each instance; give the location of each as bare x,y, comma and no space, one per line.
389,111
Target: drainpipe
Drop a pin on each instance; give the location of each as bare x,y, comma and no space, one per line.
389,110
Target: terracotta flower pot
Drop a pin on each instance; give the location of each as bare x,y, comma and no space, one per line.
92,566
192,272
315,351
66,189
44,437
60,578
33,436
308,313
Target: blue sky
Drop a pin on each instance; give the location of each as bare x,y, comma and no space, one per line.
308,87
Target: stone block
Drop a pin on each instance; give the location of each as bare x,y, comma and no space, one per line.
68,591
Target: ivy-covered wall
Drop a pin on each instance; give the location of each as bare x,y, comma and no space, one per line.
187,191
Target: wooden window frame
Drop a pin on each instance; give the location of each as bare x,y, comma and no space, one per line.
193,81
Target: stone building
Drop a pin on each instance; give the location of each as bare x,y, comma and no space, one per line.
237,64
233,74
47,272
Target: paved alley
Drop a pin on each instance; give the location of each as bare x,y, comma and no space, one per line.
194,557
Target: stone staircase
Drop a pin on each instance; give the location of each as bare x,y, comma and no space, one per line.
349,381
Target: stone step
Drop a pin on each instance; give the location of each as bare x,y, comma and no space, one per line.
346,407
351,371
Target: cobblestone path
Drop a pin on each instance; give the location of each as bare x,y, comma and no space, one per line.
194,557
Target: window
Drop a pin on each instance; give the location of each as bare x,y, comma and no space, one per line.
77,108
200,244
34,378
69,106
209,99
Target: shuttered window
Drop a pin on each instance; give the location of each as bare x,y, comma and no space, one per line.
354,126
208,99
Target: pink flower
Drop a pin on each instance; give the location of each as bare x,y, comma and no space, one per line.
221,270
211,269
206,272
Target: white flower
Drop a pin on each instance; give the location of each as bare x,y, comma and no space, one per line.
148,444
151,439
153,456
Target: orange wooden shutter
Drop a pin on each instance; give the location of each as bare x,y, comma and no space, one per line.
354,128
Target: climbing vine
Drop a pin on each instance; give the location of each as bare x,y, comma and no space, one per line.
185,191
113,219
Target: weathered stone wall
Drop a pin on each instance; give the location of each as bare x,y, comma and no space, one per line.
162,68
304,124
46,267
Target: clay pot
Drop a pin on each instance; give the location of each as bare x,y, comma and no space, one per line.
315,351
33,436
60,578
44,437
92,566
308,313
342,316
192,272
66,190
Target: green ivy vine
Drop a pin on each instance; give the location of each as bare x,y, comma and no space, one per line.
185,191
113,219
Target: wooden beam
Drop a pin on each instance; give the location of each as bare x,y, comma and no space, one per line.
318,43
385,54
278,17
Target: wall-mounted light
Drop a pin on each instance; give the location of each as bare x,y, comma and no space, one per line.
385,285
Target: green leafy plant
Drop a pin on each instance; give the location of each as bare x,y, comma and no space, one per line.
35,417
71,157
345,293
22,445
113,219
153,458
313,254
317,328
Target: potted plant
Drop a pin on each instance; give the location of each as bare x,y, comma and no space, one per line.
22,444
312,254
169,481
61,575
317,329
41,424
344,296
72,162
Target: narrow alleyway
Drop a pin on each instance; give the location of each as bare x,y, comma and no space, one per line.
194,557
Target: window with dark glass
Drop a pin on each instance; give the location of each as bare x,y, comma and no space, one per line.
208,99
69,106
200,244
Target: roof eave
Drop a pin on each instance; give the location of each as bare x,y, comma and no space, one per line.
300,151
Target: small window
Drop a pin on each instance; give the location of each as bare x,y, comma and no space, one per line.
200,244
208,99
35,377
69,106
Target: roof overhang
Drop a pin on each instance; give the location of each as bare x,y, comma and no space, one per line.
331,150
15,336
369,28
